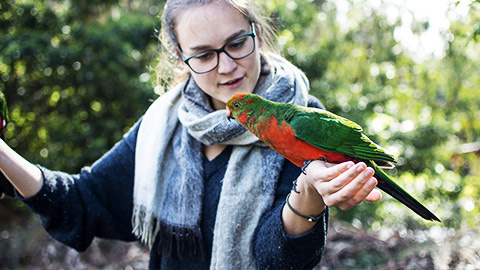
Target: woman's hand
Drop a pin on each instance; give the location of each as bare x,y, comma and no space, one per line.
325,184
342,185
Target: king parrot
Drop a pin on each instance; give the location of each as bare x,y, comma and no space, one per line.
5,187
302,134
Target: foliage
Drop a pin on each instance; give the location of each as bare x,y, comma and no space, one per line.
76,77
73,86
474,5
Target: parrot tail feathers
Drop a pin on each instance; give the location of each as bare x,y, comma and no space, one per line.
386,184
385,164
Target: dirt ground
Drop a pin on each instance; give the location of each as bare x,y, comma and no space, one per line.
25,245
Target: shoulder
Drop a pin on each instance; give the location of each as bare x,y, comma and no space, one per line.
130,138
314,102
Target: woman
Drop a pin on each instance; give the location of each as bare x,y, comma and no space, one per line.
202,191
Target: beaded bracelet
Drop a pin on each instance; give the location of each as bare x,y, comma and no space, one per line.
308,218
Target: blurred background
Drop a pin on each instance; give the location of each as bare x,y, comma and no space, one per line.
78,74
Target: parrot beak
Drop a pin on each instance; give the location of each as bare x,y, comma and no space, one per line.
229,115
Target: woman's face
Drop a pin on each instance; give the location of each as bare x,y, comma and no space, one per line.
210,26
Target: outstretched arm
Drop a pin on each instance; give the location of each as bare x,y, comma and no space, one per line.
75,208
25,177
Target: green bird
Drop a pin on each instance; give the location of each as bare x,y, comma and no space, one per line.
6,187
303,134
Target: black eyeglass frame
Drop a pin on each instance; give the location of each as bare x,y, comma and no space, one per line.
222,49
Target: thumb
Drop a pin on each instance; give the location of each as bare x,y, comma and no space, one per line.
374,195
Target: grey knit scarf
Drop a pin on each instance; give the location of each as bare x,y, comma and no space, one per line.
168,189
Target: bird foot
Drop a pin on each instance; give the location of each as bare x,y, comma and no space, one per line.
305,165
307,162
294,187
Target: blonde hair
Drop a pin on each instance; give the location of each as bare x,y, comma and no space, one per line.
169,71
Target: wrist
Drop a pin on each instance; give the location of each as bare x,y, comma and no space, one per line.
310,219
306,188
307,201
300,212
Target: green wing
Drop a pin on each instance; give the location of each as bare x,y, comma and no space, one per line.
333,133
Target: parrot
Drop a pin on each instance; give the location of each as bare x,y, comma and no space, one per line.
6,187
304,134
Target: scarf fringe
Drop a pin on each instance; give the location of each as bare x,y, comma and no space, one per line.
181,239
147,228
145,225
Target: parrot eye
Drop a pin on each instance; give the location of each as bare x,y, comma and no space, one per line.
236,105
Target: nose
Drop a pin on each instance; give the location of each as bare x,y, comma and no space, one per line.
225,63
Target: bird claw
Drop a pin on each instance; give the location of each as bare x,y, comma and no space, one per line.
305,165
307,162
294,187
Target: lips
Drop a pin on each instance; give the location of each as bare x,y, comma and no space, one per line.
233,83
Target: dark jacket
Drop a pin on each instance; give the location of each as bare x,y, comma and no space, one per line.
98,202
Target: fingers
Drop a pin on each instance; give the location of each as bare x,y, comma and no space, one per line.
352,179
345,185
357,184
375,195
367,192
327,171
361,193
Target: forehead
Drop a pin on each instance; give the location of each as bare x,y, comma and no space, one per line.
208,25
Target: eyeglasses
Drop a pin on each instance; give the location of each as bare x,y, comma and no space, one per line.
238,48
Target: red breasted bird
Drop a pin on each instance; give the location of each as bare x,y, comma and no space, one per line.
303,134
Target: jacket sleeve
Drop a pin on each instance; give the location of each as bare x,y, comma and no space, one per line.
97,202
314,102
